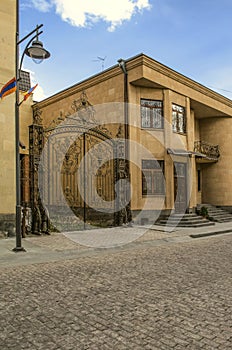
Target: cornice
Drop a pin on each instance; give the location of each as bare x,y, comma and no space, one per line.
80,87
180,78
140,60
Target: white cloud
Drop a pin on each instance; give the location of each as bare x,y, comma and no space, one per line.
38,93
83,13
42,5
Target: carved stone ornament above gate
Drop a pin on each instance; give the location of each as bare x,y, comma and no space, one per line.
83,112
55,122
83,109
37,119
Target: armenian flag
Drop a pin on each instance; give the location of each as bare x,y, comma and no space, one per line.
29,92
8,88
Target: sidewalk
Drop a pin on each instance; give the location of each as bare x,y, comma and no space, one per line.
71,245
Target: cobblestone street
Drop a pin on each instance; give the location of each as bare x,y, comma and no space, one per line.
174,296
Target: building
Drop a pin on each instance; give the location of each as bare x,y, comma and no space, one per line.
180,136
7,145
178,153
7,118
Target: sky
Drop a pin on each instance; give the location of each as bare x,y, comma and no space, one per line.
193,37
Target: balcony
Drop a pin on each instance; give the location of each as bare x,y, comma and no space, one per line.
205,152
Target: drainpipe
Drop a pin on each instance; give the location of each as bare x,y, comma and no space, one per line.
122,65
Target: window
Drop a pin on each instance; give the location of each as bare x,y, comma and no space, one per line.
178,119
153,177
151,114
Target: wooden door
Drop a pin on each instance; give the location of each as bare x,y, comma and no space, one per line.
180,187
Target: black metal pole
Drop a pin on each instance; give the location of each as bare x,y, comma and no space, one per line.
127,146
84,151
122,65
29,34
21,61
18,247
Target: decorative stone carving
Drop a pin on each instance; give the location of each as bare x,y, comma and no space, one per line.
37,119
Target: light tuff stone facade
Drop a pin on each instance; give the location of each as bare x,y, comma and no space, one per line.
7,117
7,144
217,177
208,118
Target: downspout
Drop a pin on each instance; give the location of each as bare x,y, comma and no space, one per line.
122,65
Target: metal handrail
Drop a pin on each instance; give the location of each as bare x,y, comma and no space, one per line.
211,151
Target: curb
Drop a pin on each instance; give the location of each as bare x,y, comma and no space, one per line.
206,234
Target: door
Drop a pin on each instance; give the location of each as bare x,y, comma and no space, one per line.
180,187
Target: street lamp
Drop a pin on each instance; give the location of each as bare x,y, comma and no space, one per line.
36,52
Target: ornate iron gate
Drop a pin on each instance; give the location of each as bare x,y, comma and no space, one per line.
77,163
85,177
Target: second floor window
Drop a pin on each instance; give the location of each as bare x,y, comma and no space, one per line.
151,114
178,119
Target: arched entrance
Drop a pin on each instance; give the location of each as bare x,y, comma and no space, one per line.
79,173
73,166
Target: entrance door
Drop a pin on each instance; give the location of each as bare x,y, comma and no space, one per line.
180,187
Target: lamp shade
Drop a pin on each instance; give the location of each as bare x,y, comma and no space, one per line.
37,51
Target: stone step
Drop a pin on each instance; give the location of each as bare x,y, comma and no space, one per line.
186,220
186,214
216,210
216,214
171,218
222,219
195,225
210,206
185,223
220,216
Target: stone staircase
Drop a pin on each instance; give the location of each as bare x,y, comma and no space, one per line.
216,214
186,220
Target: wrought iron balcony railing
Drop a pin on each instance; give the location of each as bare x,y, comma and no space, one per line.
206,149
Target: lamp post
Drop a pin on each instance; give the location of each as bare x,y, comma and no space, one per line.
36,52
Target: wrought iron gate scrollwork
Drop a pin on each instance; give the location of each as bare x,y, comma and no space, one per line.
39,219
79,165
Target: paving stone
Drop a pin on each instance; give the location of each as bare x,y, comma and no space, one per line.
166,297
